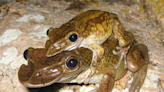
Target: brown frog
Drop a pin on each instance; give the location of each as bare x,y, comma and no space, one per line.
67,66
89,30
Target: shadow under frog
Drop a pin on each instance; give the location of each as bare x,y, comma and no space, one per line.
65,67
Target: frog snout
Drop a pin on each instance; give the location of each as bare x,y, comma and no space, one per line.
56,48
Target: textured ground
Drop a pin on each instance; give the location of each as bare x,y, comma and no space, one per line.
24,24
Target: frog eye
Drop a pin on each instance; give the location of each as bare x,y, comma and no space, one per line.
72,63
49,30
25,54
73,37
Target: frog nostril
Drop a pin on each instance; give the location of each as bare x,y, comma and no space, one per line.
25,54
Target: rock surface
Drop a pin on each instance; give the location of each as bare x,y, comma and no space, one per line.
24,23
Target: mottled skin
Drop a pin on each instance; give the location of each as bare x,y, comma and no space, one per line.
92,28
43,71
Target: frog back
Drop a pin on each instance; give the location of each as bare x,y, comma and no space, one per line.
94,24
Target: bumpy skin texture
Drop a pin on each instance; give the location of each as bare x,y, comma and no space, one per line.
92,28
43,71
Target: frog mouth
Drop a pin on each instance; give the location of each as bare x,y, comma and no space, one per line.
55,48
33,77
74,46
41,71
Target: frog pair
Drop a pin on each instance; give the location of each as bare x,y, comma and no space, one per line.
82,49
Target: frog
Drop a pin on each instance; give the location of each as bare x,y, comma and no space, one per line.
67,66
43,71
89,30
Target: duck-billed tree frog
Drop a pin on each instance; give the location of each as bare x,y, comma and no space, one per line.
67,66
89,30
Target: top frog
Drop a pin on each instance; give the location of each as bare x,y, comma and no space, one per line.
89,30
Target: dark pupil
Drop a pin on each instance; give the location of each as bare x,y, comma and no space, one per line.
73,37
25,54
72,62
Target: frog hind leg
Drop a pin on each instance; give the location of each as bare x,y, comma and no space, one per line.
137,62
137,57
107,81
138,79
98,52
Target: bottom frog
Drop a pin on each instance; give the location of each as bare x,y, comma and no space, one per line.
65,67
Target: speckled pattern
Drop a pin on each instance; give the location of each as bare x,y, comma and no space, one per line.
25,25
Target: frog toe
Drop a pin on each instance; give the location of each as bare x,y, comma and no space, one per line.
122,57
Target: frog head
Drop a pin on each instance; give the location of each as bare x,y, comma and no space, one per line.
42,71
62,39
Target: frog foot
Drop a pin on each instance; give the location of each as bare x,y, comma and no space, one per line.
122,55
87,75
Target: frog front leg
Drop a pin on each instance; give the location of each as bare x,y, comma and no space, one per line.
137,62
108,79
98,52
124,41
